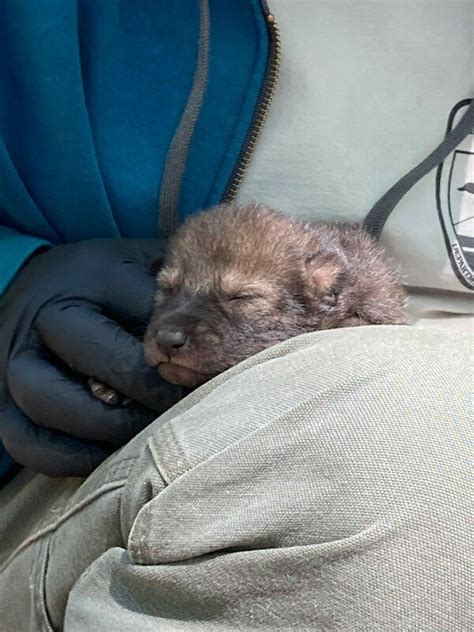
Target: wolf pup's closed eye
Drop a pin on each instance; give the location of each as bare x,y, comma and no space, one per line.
239,279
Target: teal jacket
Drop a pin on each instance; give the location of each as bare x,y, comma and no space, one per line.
113,112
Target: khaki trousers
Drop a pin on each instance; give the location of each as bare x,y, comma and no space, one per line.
320,485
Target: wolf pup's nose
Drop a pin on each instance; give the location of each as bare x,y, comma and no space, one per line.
170,338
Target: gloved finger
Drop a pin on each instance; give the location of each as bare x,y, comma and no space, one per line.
130,288
45,451
95,346
132,302
54,398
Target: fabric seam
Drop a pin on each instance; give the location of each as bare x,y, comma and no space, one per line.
61,520
181,144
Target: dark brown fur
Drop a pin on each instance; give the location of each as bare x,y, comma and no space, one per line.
237,280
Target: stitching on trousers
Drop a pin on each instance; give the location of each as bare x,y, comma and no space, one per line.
68,514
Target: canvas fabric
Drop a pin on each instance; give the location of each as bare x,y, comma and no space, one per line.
366,92
323,484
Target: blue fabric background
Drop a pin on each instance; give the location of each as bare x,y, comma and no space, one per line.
90,97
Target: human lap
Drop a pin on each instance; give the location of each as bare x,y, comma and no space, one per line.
305,467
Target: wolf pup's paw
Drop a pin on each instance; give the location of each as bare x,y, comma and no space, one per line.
107,394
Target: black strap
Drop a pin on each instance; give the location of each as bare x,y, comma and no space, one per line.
380,212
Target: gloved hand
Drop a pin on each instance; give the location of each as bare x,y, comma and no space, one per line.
69,315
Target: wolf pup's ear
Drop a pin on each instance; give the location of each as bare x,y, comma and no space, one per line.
324,274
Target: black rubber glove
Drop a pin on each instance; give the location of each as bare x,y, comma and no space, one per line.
70,314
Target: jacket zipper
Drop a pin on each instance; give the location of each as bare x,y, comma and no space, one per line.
261,110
